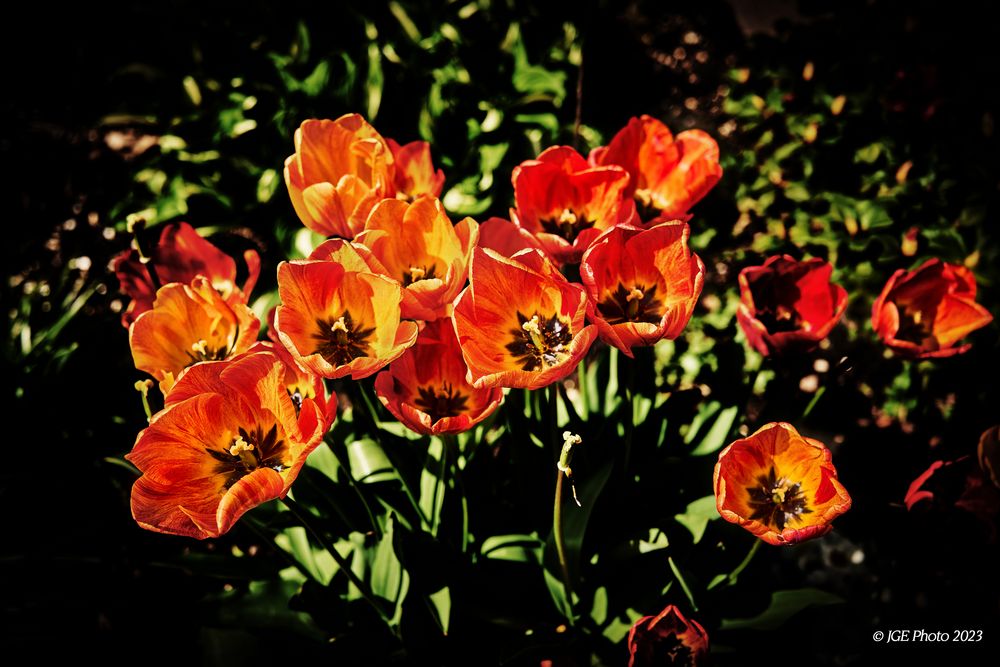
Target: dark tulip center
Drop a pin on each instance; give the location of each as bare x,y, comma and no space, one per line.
441,401
631,304
776,501
539,341
341,340
247,452
568,224
415,273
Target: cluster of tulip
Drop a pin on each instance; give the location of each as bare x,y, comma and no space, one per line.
448,315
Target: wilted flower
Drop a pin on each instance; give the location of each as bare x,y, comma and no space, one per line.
520,322
780,486
789,305
668,175
643,283
667,639
227,440
189,324
925,312
566,203
426,388
337,321
417,245
180,256
340,170
413,170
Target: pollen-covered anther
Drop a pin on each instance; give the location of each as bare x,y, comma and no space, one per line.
567,216
634,294
535,331
201,347
339,325
417,273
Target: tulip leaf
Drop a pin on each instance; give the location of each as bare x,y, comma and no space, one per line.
440,603
697,515
369,462
718,434
517,548
558,593
784,605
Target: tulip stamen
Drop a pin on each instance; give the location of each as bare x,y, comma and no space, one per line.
631,304
776,501
201,351
416,273
568,224
341,340
539,342
441,402
249,451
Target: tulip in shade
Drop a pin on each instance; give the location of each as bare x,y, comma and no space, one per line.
227,440
414,173
789,305
189,324
520,322
336,321
426,388
667,639
566,203
301,384
923,313
340,170
417,245
780,486
668,175
643,283
180,256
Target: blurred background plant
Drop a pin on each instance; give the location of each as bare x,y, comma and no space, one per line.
843,136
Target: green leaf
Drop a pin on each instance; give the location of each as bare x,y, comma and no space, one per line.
515,547
697,515
375,79
267,185
718,434
784,605
441,604
535,79
368,462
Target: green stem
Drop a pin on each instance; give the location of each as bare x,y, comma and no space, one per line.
439,481
557,534
630,422
814,401
305,518
581,379
346,467
255,526
746,561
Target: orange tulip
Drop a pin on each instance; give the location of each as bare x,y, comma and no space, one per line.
520,322
505,237
336,321
925,312
227,440
426,388
340,170
669,175
180,256
414,173
789,305
643,283
780,486
301,384
566,203
418,246
667,639
189,324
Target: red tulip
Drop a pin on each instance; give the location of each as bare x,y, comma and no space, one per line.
643,283
923,313
780,486
667,639
426,388
788,304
